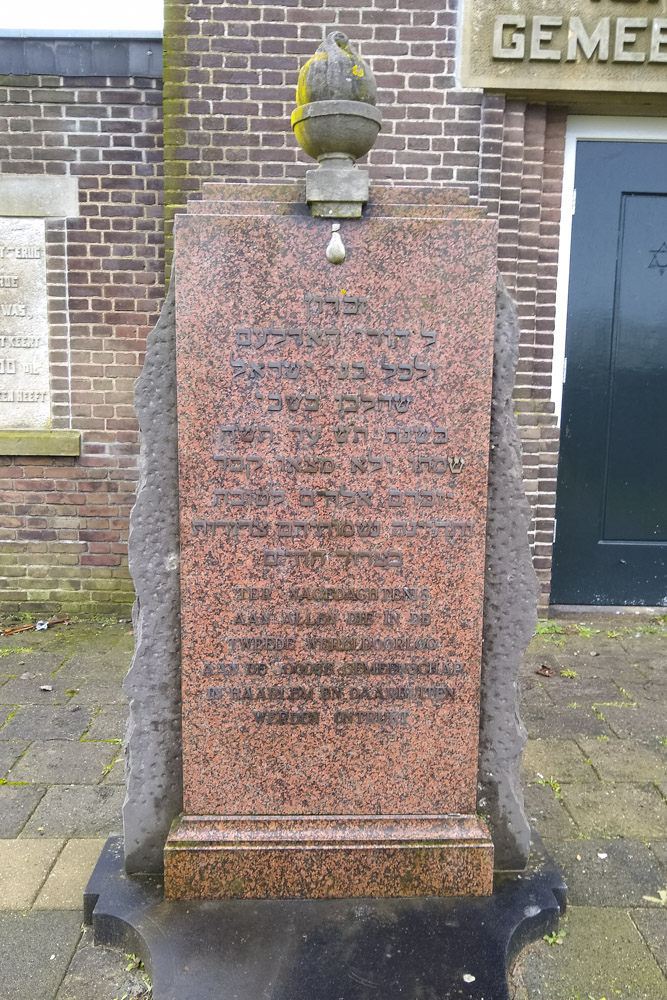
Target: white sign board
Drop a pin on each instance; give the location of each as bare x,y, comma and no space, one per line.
24,334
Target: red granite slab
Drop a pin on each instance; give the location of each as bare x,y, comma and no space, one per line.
333,443
374,208
380,194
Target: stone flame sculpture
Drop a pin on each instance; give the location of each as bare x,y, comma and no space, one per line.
336,122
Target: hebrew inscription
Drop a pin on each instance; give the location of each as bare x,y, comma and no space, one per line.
24,336
333,458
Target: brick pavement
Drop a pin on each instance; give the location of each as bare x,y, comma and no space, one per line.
595,775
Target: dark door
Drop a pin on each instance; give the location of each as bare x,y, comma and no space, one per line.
611,507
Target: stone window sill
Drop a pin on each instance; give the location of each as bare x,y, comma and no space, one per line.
50,443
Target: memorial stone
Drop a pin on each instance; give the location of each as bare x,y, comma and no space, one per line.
24,335
333,456
342,587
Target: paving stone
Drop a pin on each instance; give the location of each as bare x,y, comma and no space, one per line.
617,810
35,722
65,885
6,713
602,955
587,688
24,865
654,669
26,689
652,925
604,872
646,645
96,692
102,666
654,691
560,759
659,848
614,762
77,811
17,802
546,814
645,724
97,973
562,722
36,949
63,762
591,664
534,697
34,662
10,751
116,775
109,724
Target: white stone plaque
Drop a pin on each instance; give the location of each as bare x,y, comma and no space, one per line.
25,402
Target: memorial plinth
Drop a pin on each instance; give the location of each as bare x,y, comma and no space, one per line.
333,462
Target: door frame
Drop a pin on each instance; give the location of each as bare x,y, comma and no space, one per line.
591,127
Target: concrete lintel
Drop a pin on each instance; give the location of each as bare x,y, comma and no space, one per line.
40,443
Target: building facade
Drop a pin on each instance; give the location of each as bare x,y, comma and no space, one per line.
520,108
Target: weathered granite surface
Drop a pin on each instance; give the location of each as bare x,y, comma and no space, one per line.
510,603
153,684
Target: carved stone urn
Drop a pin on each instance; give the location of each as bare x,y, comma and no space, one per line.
336,122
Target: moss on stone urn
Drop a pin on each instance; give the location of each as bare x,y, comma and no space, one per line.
336,122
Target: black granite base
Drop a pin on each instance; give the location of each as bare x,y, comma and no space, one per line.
353,949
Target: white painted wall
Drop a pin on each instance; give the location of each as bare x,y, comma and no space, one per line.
93,15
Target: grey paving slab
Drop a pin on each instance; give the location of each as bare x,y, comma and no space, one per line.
602,956
605,872
97,973
614,762
63,762
35,661
77,811
96,692
652,925
116,776
588,691
33,722
109,724
560,759
10,751
35,950
617,810
547,815
17,802
535,698
29,689
102,666
645,724
591,664
659,848
652,668
645,644
563,722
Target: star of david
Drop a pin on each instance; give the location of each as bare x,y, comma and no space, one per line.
659,259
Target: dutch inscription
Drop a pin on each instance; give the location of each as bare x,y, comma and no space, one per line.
24,340
394,448
332,467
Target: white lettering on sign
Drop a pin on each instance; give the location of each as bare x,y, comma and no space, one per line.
25,402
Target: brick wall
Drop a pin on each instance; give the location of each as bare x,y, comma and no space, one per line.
229,80
64,521
230,76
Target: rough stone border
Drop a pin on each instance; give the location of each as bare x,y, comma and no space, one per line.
153,751
153,767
